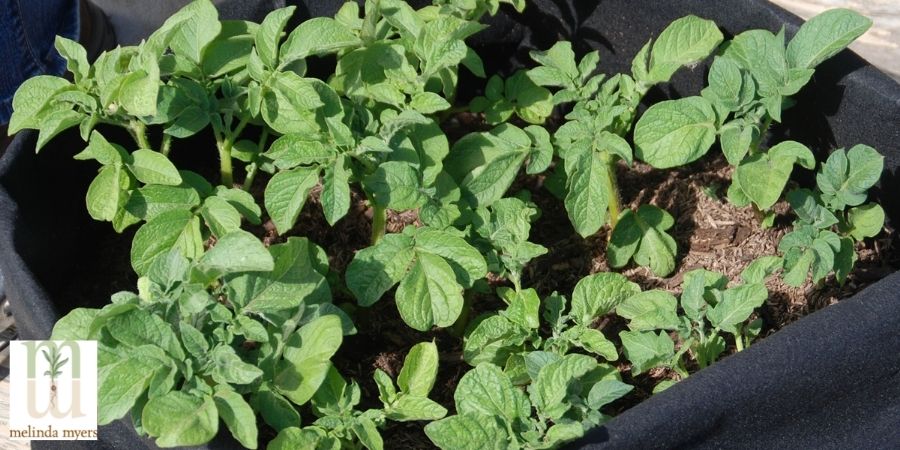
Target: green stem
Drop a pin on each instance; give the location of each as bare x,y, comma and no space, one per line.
738,342
253,167
166,144
379,217
225,169
612,188
139,132
225,145
754,146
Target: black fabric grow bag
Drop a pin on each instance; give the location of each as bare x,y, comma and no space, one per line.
830,380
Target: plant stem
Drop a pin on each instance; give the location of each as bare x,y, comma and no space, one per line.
754,146
225,169
612,188
166,144
225,153
738,342
253,167
379,217
139,132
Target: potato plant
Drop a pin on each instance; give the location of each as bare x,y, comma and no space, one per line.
224,328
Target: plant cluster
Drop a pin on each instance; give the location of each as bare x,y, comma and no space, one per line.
223,326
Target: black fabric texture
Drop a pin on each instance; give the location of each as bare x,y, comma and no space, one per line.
830,380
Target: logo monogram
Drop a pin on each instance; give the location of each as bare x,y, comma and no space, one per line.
53,390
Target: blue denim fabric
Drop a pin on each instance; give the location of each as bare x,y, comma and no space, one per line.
28,29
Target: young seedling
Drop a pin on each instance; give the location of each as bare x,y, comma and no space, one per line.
708,309
340,425
833,218
750,82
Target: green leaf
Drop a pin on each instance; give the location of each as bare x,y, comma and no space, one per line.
736,306
486,164
642,235
428,103
587,198
468,432
30,98
646,349
152,167
230,51
317,36
176,228
135,328
107,193
865,221
335,196
139,90
292,150
199,28
76,57
466,261
598,294
846,176
286,194
238,416
75,325
409,408
293,281
374,270
548,393
274,409
367,433
419,370
429,295
180,419
524,307
650,310
824,35
237,251
221,217
228,367
269,34
700,284
761,268
492,340
307,355
685,42
292,104
557,66
594,341
55,122
605,392
487,391
809,208
120,385
102,151
395,185
726,83
763,177
675,132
